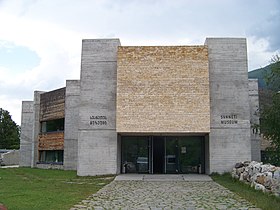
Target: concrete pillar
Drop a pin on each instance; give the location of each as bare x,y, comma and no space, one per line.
72,102
229,139
254,119
97,136
207,160
36,128
26,134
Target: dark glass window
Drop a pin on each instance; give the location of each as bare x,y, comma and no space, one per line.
52,125
135,154
191,154
51,156
184,154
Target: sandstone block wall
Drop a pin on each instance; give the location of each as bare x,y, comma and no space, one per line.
163,89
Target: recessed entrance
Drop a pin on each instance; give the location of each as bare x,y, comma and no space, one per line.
163,154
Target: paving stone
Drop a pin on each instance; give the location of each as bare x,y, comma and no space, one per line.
165,195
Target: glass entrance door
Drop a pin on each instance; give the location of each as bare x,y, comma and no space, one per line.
135,154
171,155
158,155
177,154
191,154
163,154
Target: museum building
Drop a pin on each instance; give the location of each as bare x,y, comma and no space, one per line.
147,109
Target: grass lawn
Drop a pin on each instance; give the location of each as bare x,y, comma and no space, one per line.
258,198
26,188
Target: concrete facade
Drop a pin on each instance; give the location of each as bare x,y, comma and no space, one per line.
97,136
9,158
36,128
26,134
72,103
150,91
229,138
254,119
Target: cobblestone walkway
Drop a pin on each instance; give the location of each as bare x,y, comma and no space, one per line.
163,195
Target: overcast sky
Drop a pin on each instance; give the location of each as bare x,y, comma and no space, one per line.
40,40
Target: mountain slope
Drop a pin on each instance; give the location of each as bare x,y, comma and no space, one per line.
260,75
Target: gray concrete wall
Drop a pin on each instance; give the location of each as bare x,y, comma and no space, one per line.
119,155
10,158
36,128
229,139
254,119
207,160
72,102
50,166
26,134
97,137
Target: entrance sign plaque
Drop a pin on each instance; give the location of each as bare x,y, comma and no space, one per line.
97,120
227,119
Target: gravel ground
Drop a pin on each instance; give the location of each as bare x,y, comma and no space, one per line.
163,195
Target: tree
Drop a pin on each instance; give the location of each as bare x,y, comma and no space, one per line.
9,131
270,116
272,78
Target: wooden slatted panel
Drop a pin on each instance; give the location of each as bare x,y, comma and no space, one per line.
52,105
51,141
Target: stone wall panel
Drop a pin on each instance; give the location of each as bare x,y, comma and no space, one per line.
163,89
